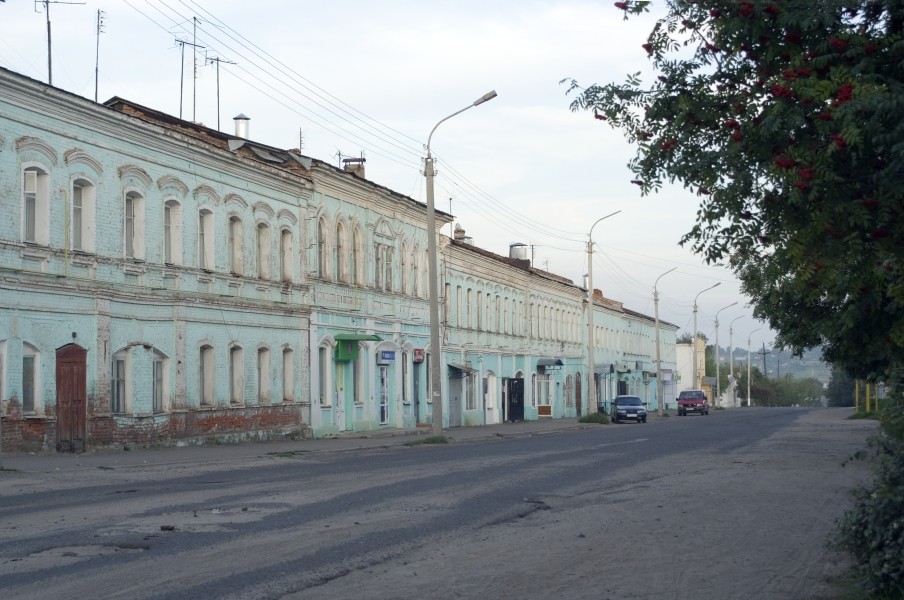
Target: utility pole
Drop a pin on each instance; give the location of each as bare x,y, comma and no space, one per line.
47,4
100,30
764,361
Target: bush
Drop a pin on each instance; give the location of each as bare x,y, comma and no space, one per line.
873,530
596,417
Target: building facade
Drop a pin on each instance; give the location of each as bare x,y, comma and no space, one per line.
165,283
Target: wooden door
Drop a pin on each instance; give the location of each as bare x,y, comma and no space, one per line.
71,387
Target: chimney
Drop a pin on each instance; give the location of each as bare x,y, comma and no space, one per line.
355,166
459,234
241,126
518,250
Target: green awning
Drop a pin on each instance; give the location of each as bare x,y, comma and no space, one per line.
357,337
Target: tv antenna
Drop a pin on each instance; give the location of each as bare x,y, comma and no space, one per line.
47,4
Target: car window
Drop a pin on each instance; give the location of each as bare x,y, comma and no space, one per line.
629,401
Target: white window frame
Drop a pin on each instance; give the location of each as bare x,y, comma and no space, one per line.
323,371
172,232
206,257
121,383
35,205
82,210
32,352
236,245
322,249
286,251
264,252
339,257
133,225
160,400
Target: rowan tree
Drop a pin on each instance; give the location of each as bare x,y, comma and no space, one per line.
786,118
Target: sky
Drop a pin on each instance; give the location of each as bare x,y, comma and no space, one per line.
363,78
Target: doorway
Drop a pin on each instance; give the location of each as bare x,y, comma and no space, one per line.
72,407
515,400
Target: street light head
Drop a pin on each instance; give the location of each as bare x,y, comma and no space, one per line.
488,96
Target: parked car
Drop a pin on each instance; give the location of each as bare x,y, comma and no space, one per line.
692,401
628,408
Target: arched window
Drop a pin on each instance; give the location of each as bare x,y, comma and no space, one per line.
205,240
206,375
285,255
172,233
357,258
263,375
263,251
236,246
35,206
236,375
81,222
341,256
288,375
133,225
322,249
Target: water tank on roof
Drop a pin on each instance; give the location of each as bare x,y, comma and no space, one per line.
518,250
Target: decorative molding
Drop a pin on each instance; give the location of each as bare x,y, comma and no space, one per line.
174,183
27,143
135,172
287,215
235,199
80,157
264,208
206,190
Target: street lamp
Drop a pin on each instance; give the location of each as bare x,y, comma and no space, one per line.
658,360
591,384
433,299
748,364
718,379
697,385
734,389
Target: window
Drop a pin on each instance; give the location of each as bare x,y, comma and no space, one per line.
263,251
263,375
205,239
133,225
172,233
354,269
414,274
35,206
31,369
288,374
81,226
406,285
118,384
207,372
323,356
321,249
285,255
340,257
383,267
157,387
236,246
460,308
470,397
406,397
236,375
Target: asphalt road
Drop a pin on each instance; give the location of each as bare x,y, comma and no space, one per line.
733,505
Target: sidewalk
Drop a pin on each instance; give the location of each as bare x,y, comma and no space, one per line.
110,458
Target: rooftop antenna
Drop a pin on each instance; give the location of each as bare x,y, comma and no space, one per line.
47,4
208,60
183,44
100,30
300,139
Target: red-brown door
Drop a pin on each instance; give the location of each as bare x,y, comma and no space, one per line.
71,386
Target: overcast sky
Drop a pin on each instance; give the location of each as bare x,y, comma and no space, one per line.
373,78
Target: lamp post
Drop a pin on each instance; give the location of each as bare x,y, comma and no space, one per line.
718,377
591,383
697,385
734,388
748,363
433,299
658,360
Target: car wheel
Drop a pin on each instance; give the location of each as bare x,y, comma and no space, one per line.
644,420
